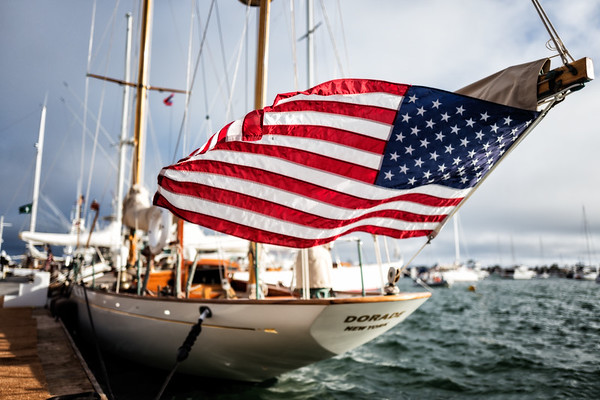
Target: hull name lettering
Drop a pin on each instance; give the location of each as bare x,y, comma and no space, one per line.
371,318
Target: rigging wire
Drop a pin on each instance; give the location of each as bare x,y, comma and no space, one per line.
86,94
58,214
293,44
189,89
109,160
332,38
549,104
100,110
223,48
205,91
175,27
30,170
21,119
188,73
558,43
345,43
48,171
91,113
236,68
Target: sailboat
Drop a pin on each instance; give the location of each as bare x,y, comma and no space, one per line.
587,272
241,185
459,272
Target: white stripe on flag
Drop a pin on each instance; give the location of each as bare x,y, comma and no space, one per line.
325,148
324,179
255,220
377,99
362,126
294,200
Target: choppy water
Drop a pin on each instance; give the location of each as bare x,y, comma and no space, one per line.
537,339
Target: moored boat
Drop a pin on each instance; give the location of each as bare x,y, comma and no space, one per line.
240,183
248,340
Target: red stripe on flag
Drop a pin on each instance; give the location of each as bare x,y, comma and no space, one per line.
306,189
332,135
242,230
309,159
283,212
373,113
350,86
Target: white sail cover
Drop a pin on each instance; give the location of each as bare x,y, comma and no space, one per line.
108,237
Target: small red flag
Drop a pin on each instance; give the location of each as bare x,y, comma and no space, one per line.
169,100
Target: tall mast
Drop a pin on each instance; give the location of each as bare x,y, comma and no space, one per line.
260,90
310,47
262,55
123,142
141,94
139,132
38,169
456,238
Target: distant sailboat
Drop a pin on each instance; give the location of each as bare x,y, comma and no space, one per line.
588,272
458,271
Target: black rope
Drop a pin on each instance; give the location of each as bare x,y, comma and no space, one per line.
97,346
184,351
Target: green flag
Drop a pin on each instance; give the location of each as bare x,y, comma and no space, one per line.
25,209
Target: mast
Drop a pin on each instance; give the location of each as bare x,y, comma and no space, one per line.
260,90
122,146
38,169
262,55
139,131
310,47
123,142
456,244
141,94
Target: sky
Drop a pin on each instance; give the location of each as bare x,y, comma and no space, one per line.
530,210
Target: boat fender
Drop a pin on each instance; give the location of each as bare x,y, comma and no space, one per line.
393,277
158,230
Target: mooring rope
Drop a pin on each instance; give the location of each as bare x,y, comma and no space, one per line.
184,351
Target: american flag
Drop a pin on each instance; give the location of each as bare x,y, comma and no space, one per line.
347,155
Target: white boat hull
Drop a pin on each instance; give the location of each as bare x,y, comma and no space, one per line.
462,274
245,340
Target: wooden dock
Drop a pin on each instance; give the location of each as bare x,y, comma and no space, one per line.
38,359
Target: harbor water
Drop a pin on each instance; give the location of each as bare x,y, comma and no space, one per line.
533,339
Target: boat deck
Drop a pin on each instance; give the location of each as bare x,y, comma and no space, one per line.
38,360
